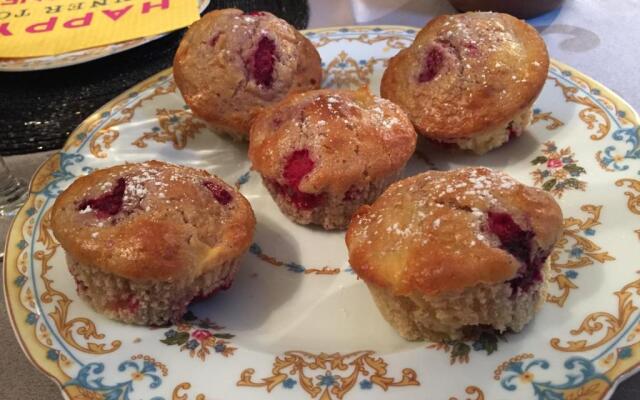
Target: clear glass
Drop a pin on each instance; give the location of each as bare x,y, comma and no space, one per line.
13,191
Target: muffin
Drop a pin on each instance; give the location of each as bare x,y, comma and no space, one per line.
469,79
323,153
444,253
231,64
143,240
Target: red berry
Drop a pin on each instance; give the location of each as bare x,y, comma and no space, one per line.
263,62
512,131
109,203
514,239
221,195
133,304
214,39
80,285
297,166
472,49
432,65
302,200
306,201
518,242
352,194
130,303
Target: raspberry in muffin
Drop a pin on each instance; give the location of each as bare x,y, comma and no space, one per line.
323,153
469,79
231,64
143,240
446,252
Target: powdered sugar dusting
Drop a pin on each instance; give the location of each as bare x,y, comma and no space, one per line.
86,210
352,127
433,201
144,188
395,229
477,46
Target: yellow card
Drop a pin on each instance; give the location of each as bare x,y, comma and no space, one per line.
30,28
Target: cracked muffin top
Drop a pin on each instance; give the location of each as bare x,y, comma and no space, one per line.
467,72
329,140
152,221
231,64
441,232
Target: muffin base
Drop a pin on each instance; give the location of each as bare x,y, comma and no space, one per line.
335,212
482,142
146,302
448,316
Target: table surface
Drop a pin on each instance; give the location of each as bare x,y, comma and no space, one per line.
596,37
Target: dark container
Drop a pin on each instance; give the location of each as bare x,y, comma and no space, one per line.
517,8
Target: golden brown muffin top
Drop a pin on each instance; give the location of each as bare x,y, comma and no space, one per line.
465,73
329,140
230,64
440,232
152,221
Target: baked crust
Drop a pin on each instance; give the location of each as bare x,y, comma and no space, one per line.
212,67
352,137
488,68
427,233
170,225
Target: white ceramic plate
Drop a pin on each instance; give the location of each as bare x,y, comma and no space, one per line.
297,324
79,56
